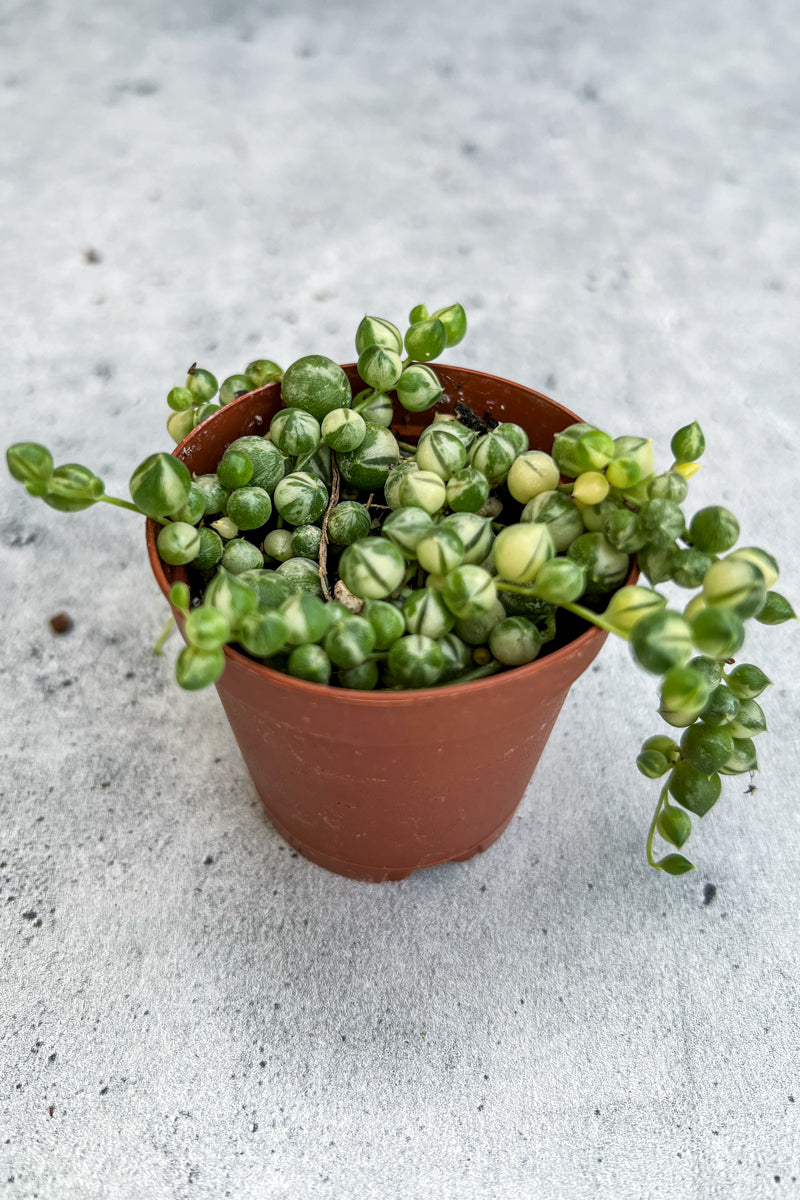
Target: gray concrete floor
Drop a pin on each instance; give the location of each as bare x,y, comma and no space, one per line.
187,1008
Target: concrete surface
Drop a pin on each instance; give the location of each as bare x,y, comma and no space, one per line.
187,1008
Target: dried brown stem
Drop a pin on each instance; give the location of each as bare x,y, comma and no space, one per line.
323,545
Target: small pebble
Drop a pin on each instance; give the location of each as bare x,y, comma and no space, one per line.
61,623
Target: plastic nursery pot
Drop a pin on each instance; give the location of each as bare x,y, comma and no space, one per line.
375,785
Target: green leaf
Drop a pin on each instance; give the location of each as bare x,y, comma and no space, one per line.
674,825
747,681
675,864
72,488
29,462
694,790
195,668
160,486
688,443
454,320
180,597
776,610
426,339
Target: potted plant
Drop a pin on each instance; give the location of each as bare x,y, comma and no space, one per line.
394,570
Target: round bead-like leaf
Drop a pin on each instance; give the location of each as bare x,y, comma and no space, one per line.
441,451
235,469
310,663
426,339
467,490
377,331
300,499
343,429
249,507
469,592
531,474
207,628
693,789
202,384
707,748
262,371
264,633
347,522
713,530
368,465
239,556
178,543
416,661
295,432
520,551
688,444
372,568
454,320
380,367
747,681
631,604
582,447
661,641
233,387
196,668
717,632
29,462
684,695
515,641
418,388
72,488
317,385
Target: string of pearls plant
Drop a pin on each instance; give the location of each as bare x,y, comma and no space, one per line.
331,551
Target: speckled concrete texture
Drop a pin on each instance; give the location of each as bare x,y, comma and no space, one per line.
187,1008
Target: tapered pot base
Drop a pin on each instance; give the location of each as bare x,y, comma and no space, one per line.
379,874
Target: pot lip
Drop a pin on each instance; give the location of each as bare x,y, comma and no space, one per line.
353,696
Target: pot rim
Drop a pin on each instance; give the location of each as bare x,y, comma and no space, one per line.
355,696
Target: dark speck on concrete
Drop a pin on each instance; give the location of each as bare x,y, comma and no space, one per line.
61,622
208,860
30,915
92,256
589,92
709,892
104,370
139,87
469,148
20,537
103,1090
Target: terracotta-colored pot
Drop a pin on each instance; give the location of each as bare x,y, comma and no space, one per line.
375,785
